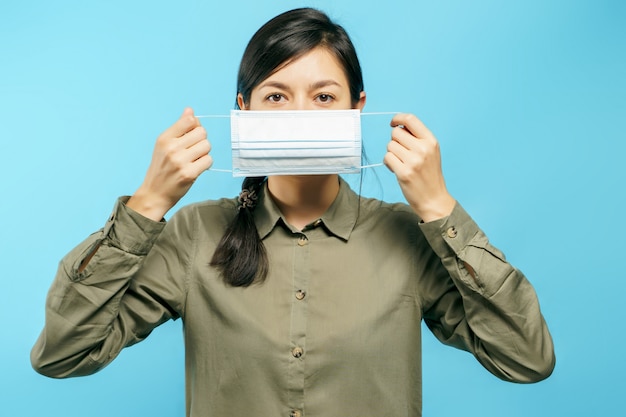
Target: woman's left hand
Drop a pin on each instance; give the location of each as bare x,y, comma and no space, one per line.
413,155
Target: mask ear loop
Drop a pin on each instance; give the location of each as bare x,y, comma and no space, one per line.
371,165
377,113
227,116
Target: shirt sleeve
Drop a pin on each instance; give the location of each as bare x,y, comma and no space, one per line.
94,311
485,305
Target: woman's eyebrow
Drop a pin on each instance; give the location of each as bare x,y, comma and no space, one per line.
276,84
314,86
324,83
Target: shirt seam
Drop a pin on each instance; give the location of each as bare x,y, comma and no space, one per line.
189,262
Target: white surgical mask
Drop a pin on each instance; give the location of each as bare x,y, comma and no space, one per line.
295,142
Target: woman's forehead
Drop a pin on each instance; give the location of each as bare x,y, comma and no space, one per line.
313,67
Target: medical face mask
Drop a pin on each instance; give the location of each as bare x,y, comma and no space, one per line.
301,142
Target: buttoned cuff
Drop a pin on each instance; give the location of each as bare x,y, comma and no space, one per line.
129,231
450,235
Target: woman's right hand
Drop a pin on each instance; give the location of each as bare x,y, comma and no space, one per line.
180,155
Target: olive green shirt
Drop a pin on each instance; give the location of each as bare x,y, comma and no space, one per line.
335,329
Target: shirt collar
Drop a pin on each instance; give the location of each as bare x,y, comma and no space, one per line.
339,219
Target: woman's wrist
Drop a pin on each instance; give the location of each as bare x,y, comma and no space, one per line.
436,210
148,205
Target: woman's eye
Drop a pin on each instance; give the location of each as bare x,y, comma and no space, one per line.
275,98
325,98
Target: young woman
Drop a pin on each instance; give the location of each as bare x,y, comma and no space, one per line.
299,298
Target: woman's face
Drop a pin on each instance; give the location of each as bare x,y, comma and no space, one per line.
315,81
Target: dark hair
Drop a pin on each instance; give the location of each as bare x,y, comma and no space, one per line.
287,37
240,254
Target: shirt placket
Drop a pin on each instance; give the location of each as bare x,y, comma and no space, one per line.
298,324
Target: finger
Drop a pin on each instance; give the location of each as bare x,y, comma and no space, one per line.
405,138
198,150
411,123
192,137
200,165
184,124
392,162
189,170
401,152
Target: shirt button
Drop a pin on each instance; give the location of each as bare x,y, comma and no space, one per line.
295,413
451,232
302,241
300,294
297,352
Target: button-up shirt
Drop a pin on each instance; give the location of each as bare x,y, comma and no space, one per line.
334,330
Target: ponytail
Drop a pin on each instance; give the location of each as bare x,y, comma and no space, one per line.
240,254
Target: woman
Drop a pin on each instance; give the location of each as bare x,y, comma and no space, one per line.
299,297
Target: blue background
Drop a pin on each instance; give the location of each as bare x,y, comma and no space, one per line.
528,100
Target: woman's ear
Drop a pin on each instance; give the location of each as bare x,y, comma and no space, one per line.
361,103
240,102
